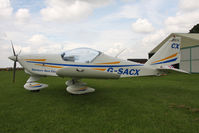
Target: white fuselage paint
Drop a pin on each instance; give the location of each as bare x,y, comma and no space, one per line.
48,64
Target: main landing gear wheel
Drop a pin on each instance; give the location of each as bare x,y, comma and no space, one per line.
77,87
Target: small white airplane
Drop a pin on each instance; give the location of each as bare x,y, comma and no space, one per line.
89,63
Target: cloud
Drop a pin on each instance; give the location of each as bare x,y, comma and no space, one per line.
22,15
183,20
129,12
3,36
188,5
5,8
124,23
128,0
98,2
153,39
142,26
39,43
38,39
70,10
115,49
63,10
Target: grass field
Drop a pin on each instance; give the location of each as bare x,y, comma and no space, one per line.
166,104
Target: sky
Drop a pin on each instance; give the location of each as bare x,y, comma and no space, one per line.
110,26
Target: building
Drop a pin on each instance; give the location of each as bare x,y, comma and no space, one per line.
189,51
142,61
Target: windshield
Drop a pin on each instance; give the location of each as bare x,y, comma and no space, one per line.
82,55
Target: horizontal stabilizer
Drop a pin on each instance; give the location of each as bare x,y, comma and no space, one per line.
170,69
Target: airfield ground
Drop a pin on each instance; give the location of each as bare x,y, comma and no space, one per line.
166,104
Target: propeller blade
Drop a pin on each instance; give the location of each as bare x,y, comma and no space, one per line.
19,53
13,48
14,70
15,61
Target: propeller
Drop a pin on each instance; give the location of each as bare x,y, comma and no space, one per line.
15,59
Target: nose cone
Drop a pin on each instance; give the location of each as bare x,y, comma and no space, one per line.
14,58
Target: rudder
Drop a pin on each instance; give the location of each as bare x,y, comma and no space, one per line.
168,54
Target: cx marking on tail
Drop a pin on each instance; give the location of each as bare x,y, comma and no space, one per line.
175,46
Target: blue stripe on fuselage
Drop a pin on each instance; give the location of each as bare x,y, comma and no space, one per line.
74,65
165,61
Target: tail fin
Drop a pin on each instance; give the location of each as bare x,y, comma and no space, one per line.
168,54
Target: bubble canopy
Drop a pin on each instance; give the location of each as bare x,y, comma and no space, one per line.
82,55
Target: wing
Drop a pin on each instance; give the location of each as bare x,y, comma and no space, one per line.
76,72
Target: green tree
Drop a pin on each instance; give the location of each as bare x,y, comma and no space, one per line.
195,29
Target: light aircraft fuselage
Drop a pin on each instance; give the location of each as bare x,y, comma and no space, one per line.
89,63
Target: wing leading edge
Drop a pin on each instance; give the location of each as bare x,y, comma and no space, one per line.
76,72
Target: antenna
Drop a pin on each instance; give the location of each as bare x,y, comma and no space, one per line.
120,52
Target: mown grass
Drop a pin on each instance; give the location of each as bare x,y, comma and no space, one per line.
166,104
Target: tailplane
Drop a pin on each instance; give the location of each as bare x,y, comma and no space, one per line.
167,55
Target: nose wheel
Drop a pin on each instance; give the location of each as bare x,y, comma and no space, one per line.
78,87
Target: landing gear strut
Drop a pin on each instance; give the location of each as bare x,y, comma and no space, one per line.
77,87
